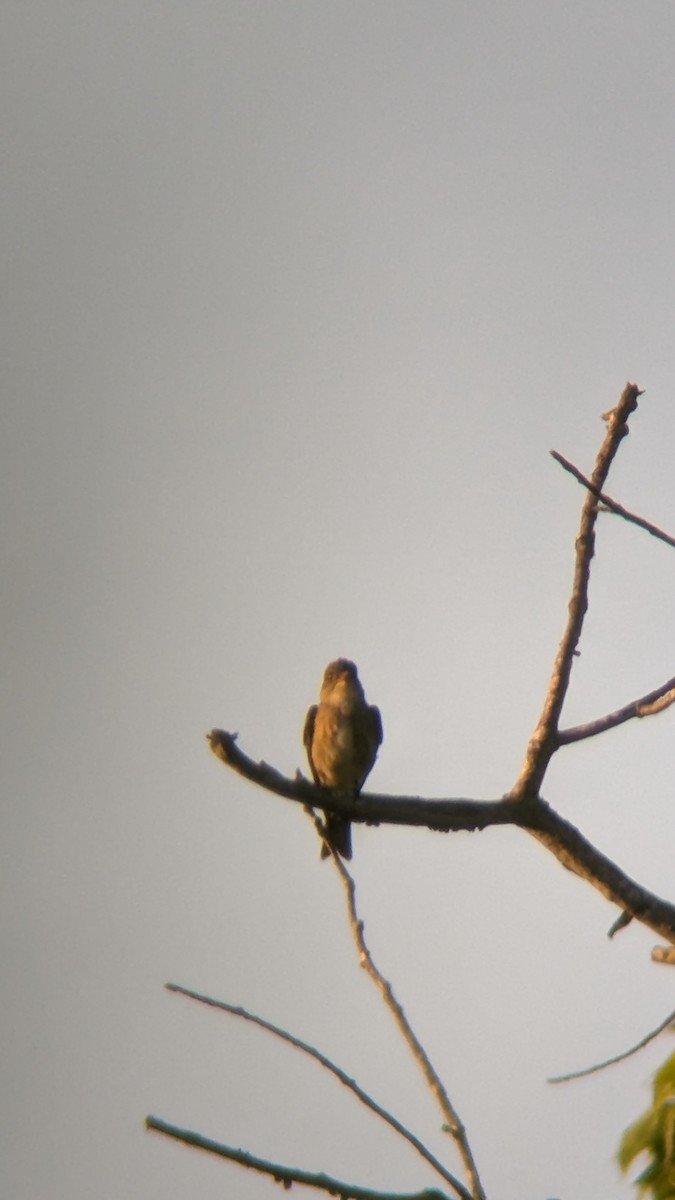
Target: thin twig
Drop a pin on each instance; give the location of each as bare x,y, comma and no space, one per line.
537,818
609,1062
286,1176
299,1044
612,505
622,922
453,1124
650,704
543,742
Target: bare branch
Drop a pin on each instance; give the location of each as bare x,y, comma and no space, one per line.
575,852
612,505
286,1176
609,1062
560,837
650,704
543,742
299,1044
454,1125
370,808
224,746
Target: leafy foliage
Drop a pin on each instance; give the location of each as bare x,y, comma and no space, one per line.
653,1134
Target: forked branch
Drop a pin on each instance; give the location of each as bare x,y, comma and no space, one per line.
329,1065
523,805
544,740
537,818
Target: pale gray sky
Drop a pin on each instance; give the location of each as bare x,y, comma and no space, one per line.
297,298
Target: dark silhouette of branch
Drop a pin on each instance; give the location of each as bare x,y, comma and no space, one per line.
544,740
299,1044
536,817
612,505
453,1124
617,1058
622,921
286,1176
647,706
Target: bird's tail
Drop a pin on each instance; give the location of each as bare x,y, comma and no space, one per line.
338,836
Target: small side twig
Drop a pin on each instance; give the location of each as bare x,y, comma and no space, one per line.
646,706
617,1058
286,1176
453,1124
612,505
306,1048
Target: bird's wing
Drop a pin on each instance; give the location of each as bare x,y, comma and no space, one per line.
367,733
376,720
308,737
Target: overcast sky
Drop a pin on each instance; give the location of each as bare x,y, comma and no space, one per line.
297,298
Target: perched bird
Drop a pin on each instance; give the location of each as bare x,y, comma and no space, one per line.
341,737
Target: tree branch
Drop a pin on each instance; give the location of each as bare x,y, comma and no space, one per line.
543,742
560,837
580,856
299,1044
370,808
454,1125
609,1062
612,505
647,706
286,1176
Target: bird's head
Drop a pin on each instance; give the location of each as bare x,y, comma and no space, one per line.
340,679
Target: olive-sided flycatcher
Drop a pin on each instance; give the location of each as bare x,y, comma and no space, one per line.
341,736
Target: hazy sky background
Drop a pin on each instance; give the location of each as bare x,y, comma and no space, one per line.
297,298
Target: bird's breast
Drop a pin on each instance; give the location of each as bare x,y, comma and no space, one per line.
333,748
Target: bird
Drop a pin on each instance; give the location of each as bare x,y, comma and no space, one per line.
341,736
